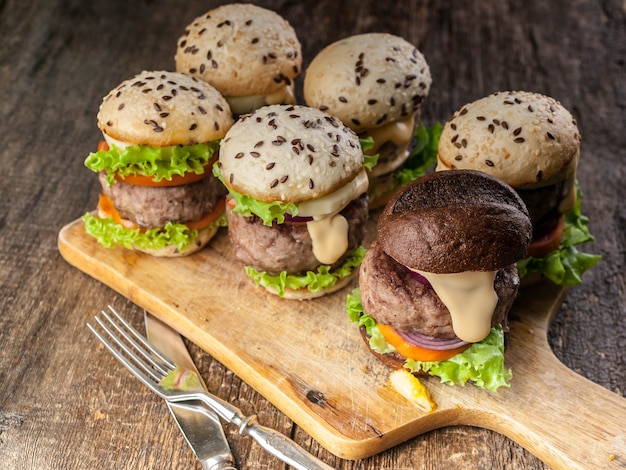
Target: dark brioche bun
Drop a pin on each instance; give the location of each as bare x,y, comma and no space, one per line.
241,49
289,153
161,108
526,139
368,80
455,221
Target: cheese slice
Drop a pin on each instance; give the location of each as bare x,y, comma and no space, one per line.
470,298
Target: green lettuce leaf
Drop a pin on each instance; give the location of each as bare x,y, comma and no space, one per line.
566,265
247,206
109,233
482,363
423,155
369,161
316,281
158,162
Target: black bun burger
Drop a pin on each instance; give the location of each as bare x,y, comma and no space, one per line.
161,136
250,54
439,279
298,199
375,83
531,142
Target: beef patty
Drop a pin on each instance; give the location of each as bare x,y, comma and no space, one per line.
393,297
288,247
156,206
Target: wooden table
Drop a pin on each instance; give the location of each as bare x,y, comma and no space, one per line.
61,404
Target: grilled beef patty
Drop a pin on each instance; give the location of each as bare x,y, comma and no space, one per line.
288,247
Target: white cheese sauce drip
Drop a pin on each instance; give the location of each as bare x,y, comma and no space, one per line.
329,229
470,298
399,133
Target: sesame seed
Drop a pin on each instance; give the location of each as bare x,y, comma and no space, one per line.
310,159
481,118
519,140
274,183
489,163
258,144
550,136
193,126
491,128
458,157
517,131
202,110
539,175
343,99
255,154
239,155
505,124
284,178
164,115
372,101
270,165
311,184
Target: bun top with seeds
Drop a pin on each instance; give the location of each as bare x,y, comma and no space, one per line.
159,108
244,51
526,139
289,153
368,80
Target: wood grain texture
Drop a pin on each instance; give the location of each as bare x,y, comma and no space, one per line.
61,404
326,381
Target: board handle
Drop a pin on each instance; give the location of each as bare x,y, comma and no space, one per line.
564,419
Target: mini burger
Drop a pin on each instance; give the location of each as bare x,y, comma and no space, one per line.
297,206
250,54
438,281
531,142
161,136
375,84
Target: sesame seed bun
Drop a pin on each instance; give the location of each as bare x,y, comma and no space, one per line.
525,139
368,80
455,221
289,153
160,109
241,49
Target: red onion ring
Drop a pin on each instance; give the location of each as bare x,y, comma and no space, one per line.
295,219
419,278
427,342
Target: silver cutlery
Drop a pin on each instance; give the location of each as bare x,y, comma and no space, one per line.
151,367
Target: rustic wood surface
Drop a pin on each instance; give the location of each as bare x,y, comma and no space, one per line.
62,403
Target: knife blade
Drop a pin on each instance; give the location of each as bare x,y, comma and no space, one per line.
203,431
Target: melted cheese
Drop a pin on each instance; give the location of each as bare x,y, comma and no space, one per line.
400,133
114,142
330,238
245,104
329,229
335,201
470,298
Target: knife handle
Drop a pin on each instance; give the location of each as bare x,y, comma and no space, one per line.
280,446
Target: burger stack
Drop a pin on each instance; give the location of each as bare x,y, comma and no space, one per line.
221,142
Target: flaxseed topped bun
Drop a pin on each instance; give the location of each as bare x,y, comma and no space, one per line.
161,108
289,153
455,221
368,80
241,49
526,139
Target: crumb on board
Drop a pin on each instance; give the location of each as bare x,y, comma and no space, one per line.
410,387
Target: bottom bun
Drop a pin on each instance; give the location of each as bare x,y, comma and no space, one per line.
171,251
306,294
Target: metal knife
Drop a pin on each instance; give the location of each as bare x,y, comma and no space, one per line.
202,430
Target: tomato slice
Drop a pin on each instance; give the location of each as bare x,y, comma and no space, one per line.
549,242
406,349
177,180
107,209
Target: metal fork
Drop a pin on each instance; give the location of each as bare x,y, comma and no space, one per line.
150,366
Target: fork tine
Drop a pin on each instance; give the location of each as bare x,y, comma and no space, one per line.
145,345
145,379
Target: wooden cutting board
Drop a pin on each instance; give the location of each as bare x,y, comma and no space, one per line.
309,361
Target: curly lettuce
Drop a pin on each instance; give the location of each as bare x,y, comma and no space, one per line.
316,281
247,206
481,364
156,162
109,233
566,265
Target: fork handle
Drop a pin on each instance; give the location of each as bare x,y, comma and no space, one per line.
280,446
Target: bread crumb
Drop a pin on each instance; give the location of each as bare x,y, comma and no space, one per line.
97,415
410,387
